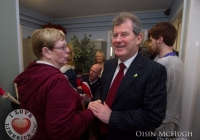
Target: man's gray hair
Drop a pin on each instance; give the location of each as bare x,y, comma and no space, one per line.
123,16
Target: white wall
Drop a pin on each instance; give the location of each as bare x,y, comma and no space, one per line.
195,123
9,56
27,31
191,88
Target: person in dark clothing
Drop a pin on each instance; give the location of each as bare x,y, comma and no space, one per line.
71,75
133,88
79,71
93,78
68,69
82,87
93,86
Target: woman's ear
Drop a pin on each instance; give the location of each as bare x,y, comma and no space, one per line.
46,52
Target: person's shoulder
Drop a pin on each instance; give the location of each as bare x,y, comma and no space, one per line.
56,78
70,71
64,68
152,64
171,61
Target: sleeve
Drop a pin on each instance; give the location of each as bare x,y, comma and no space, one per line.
86,89
63,120
153,110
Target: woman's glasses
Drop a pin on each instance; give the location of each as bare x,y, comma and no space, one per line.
61,48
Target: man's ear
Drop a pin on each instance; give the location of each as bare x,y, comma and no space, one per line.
46,52
139,38
160,39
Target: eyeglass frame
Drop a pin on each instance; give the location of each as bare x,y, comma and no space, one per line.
61,48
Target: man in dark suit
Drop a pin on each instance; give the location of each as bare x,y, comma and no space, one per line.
139,104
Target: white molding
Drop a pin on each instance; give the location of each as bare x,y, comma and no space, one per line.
89,23
19,43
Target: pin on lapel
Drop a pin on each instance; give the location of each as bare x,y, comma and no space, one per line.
135,75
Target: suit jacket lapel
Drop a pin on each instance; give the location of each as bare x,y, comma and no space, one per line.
109,75
131,75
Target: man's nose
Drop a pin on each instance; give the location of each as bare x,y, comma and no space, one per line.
118,38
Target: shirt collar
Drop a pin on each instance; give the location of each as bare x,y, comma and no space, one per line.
92,82
44,62
128,62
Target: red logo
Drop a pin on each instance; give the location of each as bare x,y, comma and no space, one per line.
21,126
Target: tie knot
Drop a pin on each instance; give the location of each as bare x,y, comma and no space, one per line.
122,66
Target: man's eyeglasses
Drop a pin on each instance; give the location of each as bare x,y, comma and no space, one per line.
123,35
61,48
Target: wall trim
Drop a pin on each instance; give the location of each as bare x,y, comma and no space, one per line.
100,23
89,23
32,19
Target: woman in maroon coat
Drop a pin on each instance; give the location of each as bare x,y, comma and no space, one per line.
46,92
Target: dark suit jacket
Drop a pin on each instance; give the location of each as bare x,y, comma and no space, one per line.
140,102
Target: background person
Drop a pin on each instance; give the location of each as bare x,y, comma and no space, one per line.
100,59
151,51
68,68
162,37
83,81
144,51
93,79
82,87
138,102
47,93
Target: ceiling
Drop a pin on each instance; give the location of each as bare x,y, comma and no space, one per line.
59,9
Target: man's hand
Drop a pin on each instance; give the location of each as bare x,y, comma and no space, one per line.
101,111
